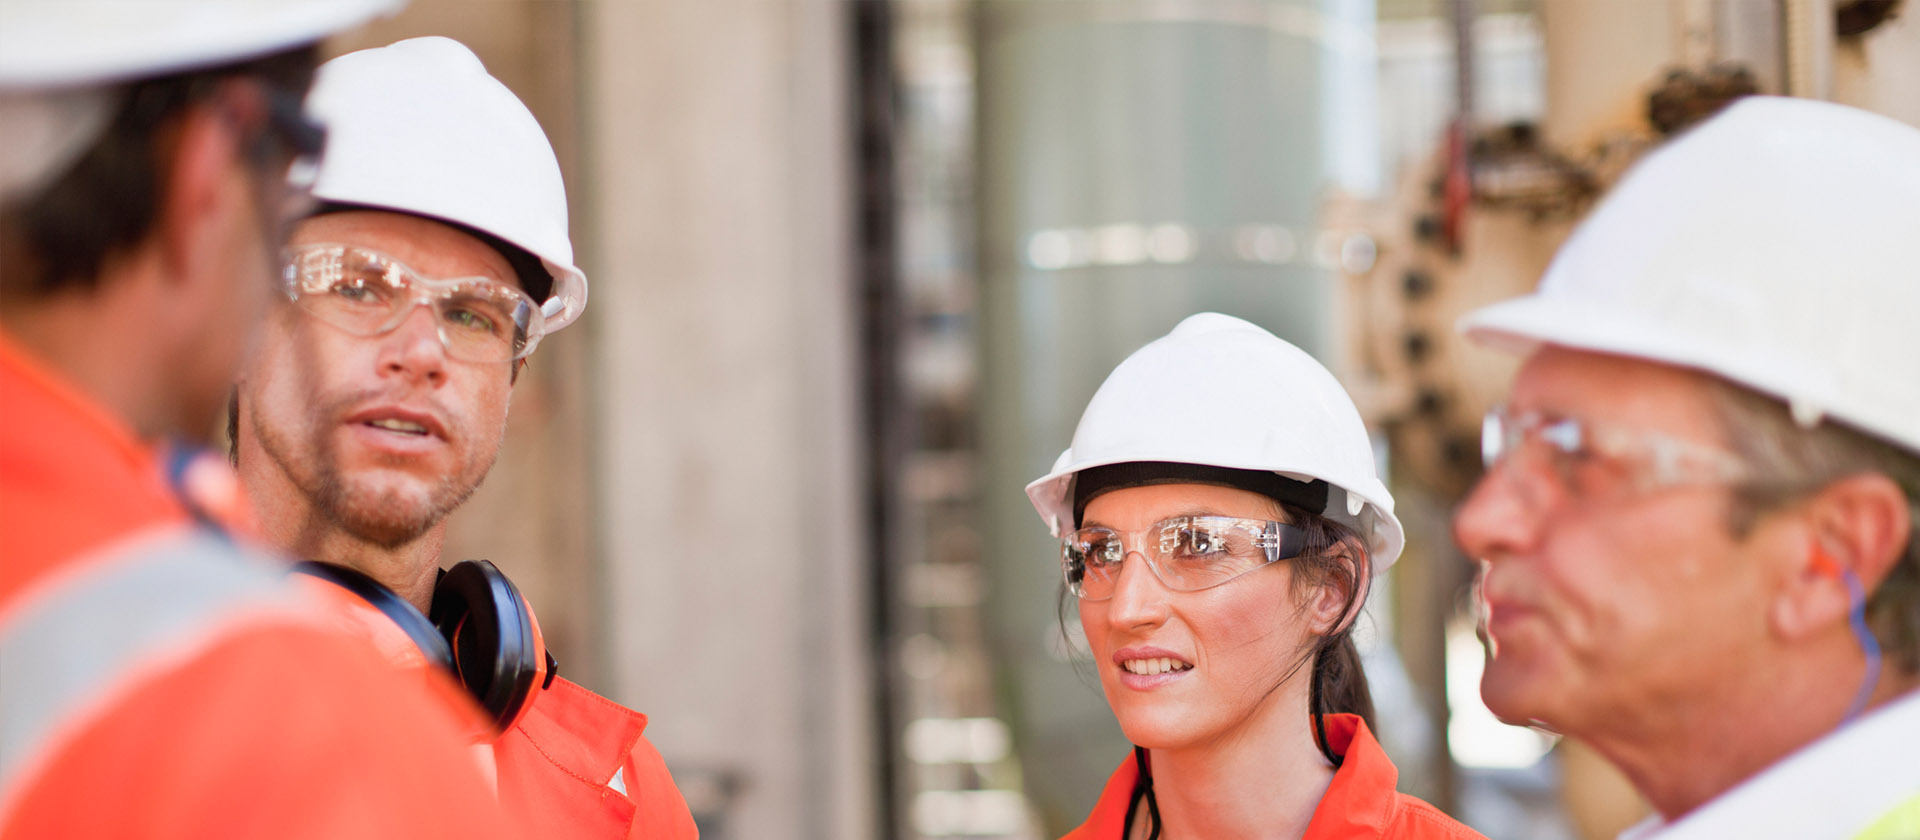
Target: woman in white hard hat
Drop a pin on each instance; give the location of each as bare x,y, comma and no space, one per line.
1220,521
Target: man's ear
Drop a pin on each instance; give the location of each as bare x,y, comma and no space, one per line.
1854,527
196,166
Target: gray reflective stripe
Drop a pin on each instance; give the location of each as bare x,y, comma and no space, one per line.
155,596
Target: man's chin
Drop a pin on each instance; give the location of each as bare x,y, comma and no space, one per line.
1512,697
387,517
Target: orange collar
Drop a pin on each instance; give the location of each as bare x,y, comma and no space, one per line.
1360,802
34,391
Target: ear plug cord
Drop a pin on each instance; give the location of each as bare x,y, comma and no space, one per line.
1857,617
1857,620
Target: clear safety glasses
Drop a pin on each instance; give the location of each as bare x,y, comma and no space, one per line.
368,293
301,140
1571,448
1186,553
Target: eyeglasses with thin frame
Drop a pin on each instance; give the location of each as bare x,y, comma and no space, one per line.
1185,553
368,293
304,139
286,140
1567,444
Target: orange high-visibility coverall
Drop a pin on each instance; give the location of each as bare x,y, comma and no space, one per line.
158,680
556,762
556,766
1360,802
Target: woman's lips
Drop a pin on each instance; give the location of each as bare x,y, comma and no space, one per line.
1143,668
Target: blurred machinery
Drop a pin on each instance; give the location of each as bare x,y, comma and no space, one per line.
1618,77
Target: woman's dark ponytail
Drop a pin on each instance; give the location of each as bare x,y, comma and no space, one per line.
1339,682
1339,686
1336,557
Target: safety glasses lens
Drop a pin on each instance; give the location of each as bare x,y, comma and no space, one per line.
367,293
1186,553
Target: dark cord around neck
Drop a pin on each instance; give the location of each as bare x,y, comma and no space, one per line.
1142,788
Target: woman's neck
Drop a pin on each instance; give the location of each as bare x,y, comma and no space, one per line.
1261,779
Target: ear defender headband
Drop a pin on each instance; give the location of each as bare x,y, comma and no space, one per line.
479,628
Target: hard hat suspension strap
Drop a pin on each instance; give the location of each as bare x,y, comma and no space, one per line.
1093,481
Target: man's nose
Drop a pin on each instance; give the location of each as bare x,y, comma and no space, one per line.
1501,514
414,348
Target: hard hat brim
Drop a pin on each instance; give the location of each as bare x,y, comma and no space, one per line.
38,47
1521,325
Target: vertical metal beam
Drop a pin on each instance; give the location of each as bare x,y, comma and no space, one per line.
1694,27
1458,183
1809,31
883,403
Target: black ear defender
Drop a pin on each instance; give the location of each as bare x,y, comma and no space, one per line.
498,653
479,628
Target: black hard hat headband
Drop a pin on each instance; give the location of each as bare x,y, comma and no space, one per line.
1093,481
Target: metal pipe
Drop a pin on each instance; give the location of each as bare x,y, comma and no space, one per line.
1809,48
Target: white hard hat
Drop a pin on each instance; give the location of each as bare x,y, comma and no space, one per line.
58,57
420,127
1776,245
64,43
1221,392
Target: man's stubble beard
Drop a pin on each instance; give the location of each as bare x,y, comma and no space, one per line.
388,517
384,517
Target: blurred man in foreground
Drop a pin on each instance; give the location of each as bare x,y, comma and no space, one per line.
157,679
436,262
1697,528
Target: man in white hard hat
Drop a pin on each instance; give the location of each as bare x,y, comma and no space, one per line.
438,260
1697,527
158,678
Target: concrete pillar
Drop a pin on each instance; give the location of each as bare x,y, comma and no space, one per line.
724,402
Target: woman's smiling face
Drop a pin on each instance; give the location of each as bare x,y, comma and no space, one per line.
1187,668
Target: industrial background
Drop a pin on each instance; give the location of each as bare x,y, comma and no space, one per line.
857,266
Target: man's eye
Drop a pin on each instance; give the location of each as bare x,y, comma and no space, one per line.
469,319
356,291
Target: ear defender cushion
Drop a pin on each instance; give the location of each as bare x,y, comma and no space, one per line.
497,651
417,626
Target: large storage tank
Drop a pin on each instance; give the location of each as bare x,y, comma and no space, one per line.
1139,161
